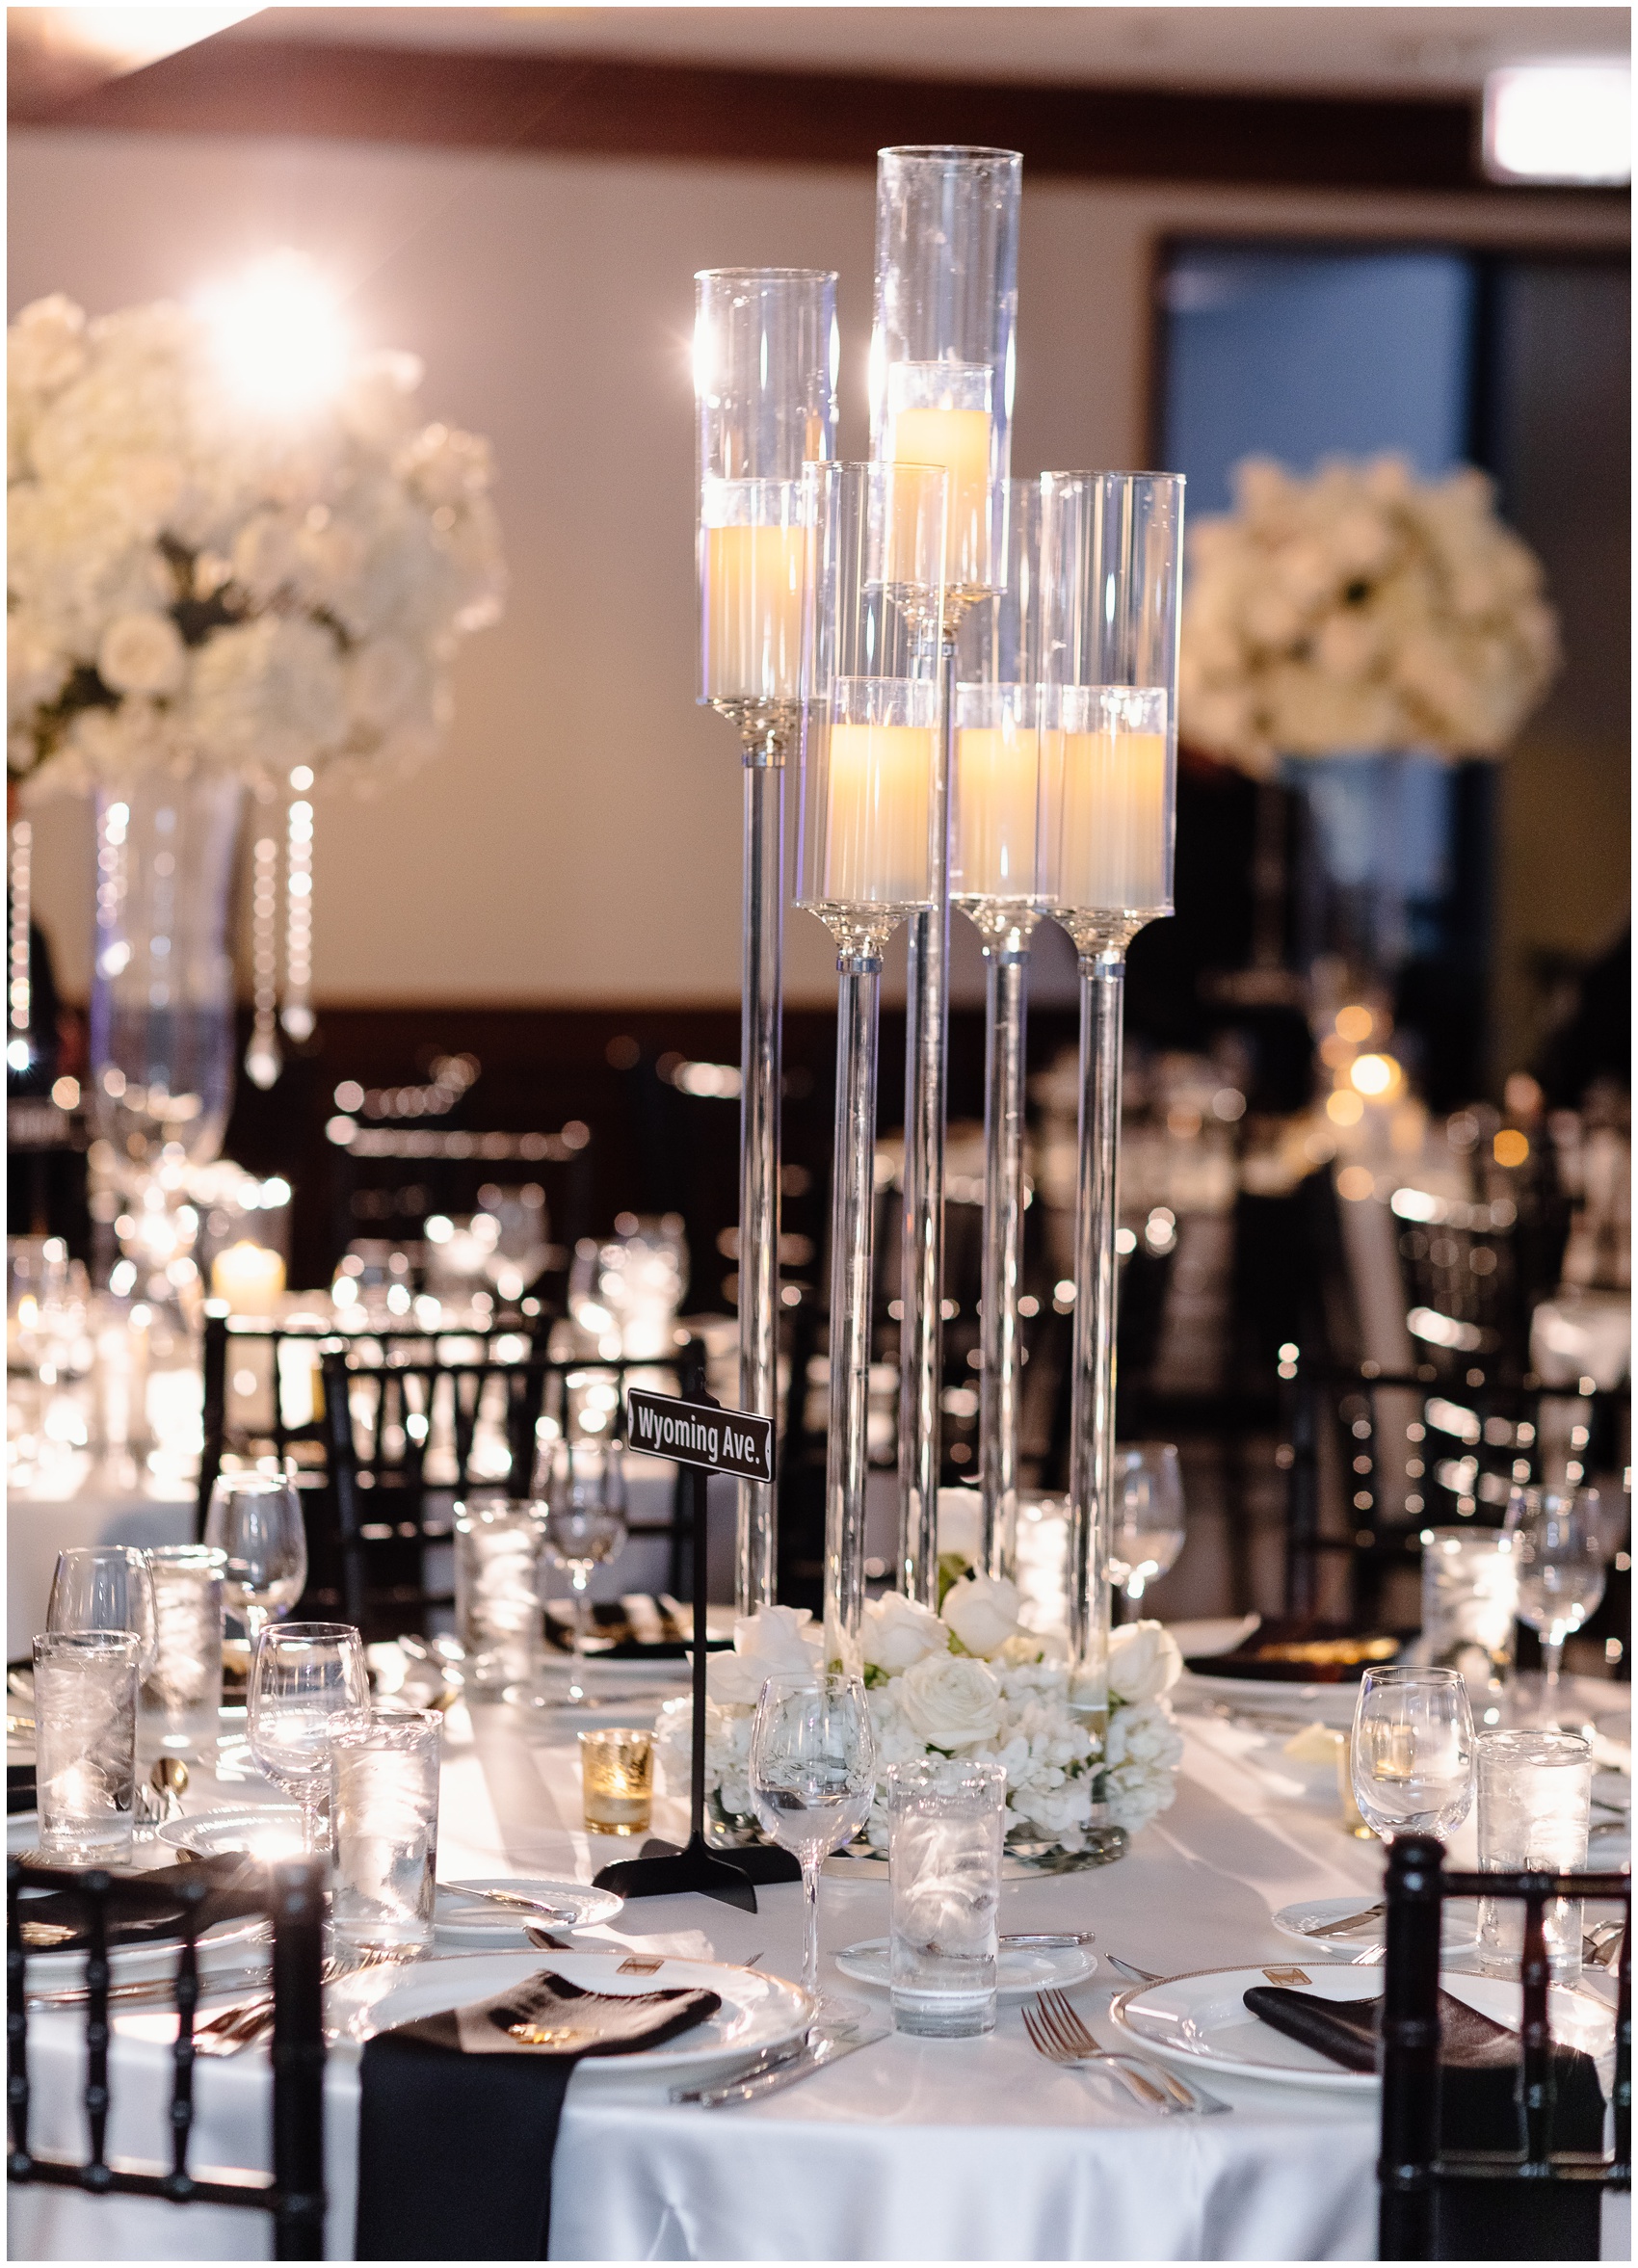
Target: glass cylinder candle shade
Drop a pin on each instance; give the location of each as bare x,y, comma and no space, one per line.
943,352
995,779
872,784
765,362
870,730
1112,566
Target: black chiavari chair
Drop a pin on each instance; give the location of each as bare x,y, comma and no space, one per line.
1423,2182
294,2196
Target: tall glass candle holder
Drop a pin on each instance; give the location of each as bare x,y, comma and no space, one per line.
994,879
872,804
1112,561
765,361
941,370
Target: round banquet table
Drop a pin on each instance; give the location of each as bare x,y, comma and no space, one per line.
971,2149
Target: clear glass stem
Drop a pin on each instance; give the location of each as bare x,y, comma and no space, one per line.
810,1925
579,1583
1091,1409
755,1569
852,1211
999,1379
256,1619
1552,1657
309,1794
921,1271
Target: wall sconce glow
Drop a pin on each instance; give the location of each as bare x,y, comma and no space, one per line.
131,37
280,335
1560,121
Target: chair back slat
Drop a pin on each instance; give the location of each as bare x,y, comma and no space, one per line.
1535,2035
96,1886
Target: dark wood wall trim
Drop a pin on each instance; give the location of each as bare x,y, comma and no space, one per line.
599,106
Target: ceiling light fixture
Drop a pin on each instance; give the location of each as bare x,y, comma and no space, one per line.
1568,123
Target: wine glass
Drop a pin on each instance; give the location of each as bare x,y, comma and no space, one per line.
1412,1752
585,1525
813,1775
307,1681
1149,1516
105,1587
1559,1554
255,1517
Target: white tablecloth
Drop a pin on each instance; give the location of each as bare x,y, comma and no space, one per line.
911,2149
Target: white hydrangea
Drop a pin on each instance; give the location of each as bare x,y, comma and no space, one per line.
1361,610
192,584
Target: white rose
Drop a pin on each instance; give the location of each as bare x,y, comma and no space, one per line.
141,653
959,1515
45,348
983,1612
897,1633
774,1639
1144,1662
951,1701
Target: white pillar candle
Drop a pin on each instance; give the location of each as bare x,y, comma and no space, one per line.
249,1276
1110,808
753,612
878,814
992,852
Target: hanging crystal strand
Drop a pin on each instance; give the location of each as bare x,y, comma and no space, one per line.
297,1017
263,1061
20,992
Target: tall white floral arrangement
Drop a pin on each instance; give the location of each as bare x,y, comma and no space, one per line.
199,580
970,1681
1361,610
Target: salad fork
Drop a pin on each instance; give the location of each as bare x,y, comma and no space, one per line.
1131,2073
1066,2022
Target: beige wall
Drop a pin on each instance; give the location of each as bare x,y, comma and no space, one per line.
578,839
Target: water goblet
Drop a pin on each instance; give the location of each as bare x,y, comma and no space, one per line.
307,1682
255,1517
105,1587
813,1775
1559,1551
1413,1751
1149,1516
585,1526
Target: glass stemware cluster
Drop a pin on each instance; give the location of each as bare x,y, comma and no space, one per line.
585,1525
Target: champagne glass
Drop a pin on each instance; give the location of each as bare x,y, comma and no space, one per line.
1559,1554
308,1681
585,1525
812,1776
1413,1751
1147,1529
105,1587
256,1519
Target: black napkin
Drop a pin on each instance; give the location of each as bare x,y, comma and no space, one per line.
457,2114
238,1887
1480,2070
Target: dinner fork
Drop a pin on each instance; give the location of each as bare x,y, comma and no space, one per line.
236,2027
1133,2075
1064,2020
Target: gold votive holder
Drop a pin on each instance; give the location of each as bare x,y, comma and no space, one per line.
617,1780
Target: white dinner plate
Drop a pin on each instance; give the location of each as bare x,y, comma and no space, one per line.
1303,1705
472,1921
1201,2022
1460,1930
758,2011
1019,1969
263,1830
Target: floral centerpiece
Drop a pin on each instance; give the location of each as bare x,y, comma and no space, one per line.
968,1681
203,571
1359,610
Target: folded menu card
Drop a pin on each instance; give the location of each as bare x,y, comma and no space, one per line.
457,2114
1480,2070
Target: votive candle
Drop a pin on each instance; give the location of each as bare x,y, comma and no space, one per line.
879,814
753,612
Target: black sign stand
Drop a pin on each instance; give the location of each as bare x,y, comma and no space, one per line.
662,1870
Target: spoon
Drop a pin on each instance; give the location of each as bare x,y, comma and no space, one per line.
514,1901
170,1776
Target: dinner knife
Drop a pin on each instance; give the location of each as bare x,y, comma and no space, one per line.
812,2056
